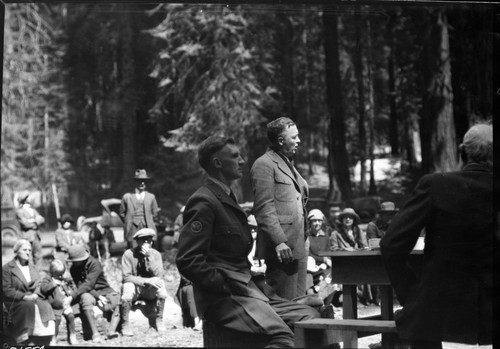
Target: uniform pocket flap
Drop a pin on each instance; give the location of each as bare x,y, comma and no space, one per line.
285,219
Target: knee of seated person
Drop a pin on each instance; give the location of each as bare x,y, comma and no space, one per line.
128,292
87,301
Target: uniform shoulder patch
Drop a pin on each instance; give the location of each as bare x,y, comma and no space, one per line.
196,226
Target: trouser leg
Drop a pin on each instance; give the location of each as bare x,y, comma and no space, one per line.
283,278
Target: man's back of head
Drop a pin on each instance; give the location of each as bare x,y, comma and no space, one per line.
477,145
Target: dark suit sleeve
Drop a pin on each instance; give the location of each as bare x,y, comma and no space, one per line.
194,244
402,235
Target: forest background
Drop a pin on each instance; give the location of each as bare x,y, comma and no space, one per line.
93,91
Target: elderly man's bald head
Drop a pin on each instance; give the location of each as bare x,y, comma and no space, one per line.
477,145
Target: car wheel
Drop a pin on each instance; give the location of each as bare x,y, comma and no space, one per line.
9,236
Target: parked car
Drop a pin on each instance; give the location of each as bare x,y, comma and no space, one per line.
110,218
10,226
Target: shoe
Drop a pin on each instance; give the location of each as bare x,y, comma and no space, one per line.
112,335
327,312
375,345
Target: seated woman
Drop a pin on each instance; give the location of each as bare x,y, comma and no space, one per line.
349,237
31,316
318,235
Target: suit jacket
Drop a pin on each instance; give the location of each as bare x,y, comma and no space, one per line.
127,210
452,298
25,219
214,243
280,197
15,287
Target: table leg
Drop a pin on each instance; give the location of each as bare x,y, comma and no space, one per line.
350,311
350,301
389,340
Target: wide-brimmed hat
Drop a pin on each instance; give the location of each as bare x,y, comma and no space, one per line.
141,174
23,196
315,214
66,218
144,232
77,253
348,212
388,206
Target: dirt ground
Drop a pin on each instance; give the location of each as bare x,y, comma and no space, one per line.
173,334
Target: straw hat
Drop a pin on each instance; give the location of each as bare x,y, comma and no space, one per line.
388,206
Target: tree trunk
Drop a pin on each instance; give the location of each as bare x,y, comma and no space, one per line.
335,105
393,117
437,130
358,66
371,111
128,119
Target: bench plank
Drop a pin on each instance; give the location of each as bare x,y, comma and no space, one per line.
323,332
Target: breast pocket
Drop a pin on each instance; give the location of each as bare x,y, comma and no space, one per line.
228,240
284,189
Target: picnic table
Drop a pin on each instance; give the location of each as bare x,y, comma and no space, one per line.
352,268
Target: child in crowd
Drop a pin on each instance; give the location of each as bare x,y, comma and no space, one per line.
56,287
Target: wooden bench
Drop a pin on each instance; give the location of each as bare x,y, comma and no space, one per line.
316,333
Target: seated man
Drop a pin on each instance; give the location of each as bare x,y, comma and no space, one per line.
142,268
92,289
213,253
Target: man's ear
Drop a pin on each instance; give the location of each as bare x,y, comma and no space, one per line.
281,140
216,162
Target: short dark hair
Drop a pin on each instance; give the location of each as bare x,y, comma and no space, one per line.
276,127
209,147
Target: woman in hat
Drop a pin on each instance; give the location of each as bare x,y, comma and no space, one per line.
66,237
348,236
31,320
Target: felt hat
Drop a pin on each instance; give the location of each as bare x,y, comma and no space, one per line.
141,174
388,206
348,212
23,196
66,218
77,253
315,214
144,232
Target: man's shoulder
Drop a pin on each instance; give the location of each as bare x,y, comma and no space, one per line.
268,158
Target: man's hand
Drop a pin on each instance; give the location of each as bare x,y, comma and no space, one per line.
102,301
145,248
284,253
67,302
155,282
32,297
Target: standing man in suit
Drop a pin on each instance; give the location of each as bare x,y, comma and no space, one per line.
280,196
30,221
138,209
214,244
452,299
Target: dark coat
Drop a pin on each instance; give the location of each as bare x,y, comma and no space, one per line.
451,300
15,287
213,245
127,210
89,278
279,206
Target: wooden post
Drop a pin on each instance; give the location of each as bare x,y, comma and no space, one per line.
56,204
